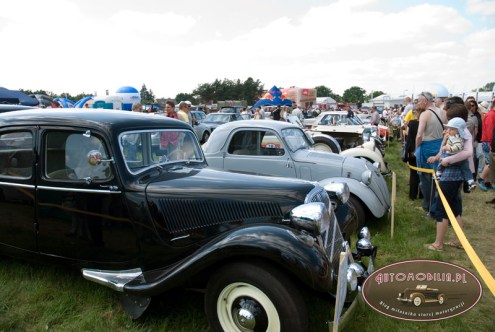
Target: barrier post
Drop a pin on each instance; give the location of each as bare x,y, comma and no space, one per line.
392,203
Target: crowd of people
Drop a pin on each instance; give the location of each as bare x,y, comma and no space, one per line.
456,139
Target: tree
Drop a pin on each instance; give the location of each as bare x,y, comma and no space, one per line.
147,97
323,91
249,90
354,94
487,87
185,96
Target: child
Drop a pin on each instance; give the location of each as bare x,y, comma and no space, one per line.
454,143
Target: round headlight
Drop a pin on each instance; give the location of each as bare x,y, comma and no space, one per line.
352,280
364,233
358,269
364,247
339,190
313,217
366,177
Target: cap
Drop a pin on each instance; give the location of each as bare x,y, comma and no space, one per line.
458,124
188,102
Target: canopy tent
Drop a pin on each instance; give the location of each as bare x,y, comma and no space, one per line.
16,97
325,100
273,97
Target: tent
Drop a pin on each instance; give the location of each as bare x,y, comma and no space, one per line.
273,97
16,97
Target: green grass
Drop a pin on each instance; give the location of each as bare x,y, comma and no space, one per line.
35,297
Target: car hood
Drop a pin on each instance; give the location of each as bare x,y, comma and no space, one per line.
194,200
357,129
331,163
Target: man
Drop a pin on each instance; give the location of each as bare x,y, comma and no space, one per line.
137,107
183,113
486,140
375,116
276,113
350,113
428,143
297,112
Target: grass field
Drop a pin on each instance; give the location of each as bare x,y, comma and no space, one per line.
35,297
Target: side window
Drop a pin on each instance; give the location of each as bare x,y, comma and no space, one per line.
70,156
256,143
16,154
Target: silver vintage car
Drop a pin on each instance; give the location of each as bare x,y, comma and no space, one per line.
277,148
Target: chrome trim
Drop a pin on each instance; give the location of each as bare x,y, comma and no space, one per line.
20,185
79,190
116,280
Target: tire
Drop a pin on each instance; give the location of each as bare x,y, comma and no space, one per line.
417,300
206,136
323,144
358,207
267,299
441,299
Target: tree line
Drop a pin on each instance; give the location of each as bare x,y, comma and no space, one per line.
249,90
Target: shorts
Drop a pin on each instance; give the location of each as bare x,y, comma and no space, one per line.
486,152
450,190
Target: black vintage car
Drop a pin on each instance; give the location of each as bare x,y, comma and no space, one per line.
87,188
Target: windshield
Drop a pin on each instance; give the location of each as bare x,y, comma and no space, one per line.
145,149
295,139
218,117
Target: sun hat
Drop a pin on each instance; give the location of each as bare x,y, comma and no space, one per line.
458,124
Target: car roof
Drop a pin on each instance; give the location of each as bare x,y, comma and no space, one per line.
220,135
114,120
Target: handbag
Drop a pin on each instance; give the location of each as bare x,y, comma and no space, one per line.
404,155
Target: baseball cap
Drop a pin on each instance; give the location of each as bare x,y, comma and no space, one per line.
188,102
458,124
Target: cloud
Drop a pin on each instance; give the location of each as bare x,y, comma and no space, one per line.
481,7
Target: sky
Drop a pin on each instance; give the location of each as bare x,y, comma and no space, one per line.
398,47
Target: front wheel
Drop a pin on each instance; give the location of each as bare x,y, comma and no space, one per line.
359,209
254,297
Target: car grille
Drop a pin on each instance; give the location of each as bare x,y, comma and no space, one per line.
184,215
331,238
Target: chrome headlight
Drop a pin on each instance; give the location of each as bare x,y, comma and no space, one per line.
366,177
364,247
366,136
313,217
340,190
358,269
352,280
364,233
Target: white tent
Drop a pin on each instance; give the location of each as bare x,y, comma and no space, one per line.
325,100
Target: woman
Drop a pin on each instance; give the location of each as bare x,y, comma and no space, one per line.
450,182
412,130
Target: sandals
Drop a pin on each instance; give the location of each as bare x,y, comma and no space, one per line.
454,244
433,247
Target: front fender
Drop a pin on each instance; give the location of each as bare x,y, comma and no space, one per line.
371,155
362,192
283,246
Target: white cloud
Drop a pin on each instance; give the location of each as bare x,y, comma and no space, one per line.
342,44
481,7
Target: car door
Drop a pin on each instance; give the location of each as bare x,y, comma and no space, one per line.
258,151
17,189
81,211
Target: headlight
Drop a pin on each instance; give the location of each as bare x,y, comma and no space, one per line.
366,177
364,233
352,280
313,217
366,136
339,191
364,247
358,269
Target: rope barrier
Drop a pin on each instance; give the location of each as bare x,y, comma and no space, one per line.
473,256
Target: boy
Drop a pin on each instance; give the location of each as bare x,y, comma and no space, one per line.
454,143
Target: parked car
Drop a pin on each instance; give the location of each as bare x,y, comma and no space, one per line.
350,132
73,190
282,149
198,116
422,294
213,120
